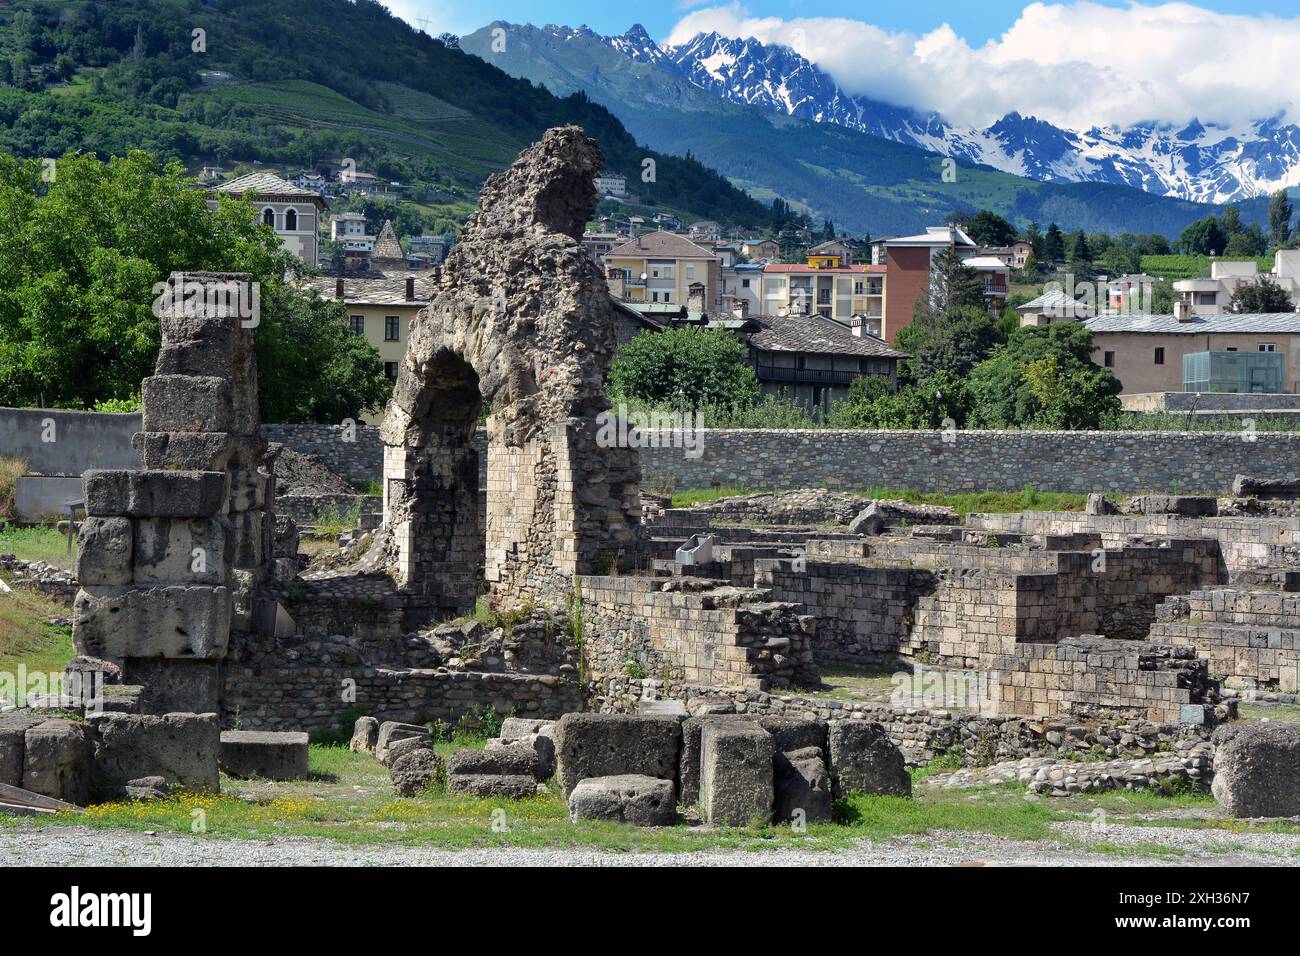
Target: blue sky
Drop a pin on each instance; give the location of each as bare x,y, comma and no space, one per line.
975,20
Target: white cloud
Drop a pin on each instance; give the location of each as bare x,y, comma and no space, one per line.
1075,64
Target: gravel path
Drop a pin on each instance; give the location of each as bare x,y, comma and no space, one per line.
77,846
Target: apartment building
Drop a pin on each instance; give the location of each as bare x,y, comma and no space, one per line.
823,286
909,261
1213,295
661,268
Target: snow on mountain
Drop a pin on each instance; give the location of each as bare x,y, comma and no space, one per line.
1200,162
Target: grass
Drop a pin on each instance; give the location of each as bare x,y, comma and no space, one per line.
27,640
329,521
38,543
854,683
11,469
1277,713
984,502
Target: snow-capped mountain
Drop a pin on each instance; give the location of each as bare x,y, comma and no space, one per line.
1199,162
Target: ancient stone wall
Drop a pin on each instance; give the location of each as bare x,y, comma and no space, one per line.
1084,462
521,320
694,632
1090,675
1253,634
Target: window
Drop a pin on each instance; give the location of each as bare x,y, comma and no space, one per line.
1108,359
858,287
690,270
1268,347
291,220
268,217
391,329
390,369
358,325
1160,356
744,283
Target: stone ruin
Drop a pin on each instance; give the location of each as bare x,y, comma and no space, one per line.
523,325
1122,630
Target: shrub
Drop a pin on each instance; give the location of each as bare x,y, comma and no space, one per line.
11,469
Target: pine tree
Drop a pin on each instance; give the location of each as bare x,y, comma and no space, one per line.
1280,211
1053,244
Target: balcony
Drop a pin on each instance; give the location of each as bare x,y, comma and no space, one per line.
804,376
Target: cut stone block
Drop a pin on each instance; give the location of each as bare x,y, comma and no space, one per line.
56,761
190,403
202,451
365,735
630,798
184,749
13,729
175,686
182,551
250,540
415,772
509,761
250,754
608,745
489,786
542,747
174,622
155,494
736,774
788,733
104,552
391,731
512,728
803,787
865,760
1257,769
400,748
250,489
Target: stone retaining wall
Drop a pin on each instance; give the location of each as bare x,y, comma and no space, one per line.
1113,462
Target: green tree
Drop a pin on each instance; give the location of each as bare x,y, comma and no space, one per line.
80,257
684,367
1053,245
1043,377
1205,237
988,228
1261,295
950,343
871,404
1280,212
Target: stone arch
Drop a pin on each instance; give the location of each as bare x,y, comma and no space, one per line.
522,320
291,220
268,217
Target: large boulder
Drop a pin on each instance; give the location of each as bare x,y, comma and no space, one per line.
629,798
414,772
183,749
1257,769
803,787
407,745
736,774
865,760
610,745
13,733
253,754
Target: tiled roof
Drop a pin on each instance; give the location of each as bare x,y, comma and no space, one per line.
1056,301
660,245
812,333
387,248
1264,323
784,267
368,291
267,184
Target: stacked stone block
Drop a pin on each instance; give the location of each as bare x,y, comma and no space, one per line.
1091,675
172,557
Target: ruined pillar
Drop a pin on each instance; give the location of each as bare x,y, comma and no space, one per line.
172,557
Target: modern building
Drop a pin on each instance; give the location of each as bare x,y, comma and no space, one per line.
432,247
1213,295
706,230
823,286
908,261
661,268
1147,352
760,250
1053,306
834,247
294,213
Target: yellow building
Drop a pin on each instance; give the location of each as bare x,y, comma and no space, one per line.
822,286
381,310
660,269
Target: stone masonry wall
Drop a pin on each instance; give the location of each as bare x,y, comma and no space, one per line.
1241,633
1113,462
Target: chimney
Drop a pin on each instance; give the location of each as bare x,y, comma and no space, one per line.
1183,310
338,288
410,288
